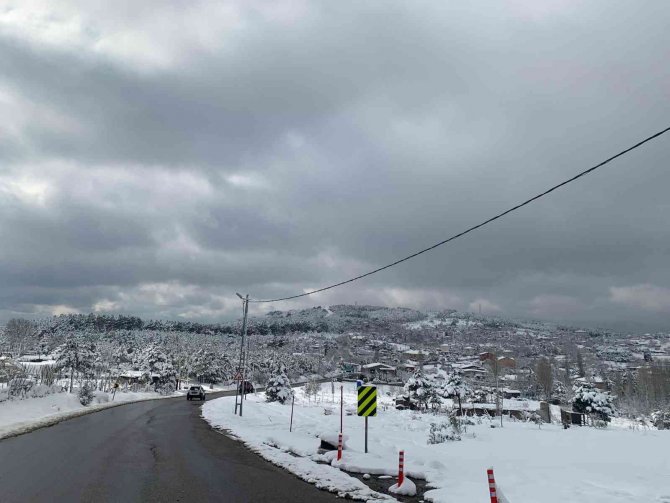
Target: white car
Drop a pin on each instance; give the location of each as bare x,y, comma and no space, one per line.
196,392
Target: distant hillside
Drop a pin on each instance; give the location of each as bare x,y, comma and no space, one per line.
337,319
333,319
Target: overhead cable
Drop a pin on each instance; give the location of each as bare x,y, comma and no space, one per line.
474,227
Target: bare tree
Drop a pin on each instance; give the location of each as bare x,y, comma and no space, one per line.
544,375
312,389
580,364
494,364
19,333
567,379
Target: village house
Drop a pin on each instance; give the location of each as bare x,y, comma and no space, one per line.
379,371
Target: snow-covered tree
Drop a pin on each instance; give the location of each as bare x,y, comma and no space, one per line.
590,400
312,389
278,388
560,391
455,387
157,367
86,393
420,388
545,377
661,419
77,355
206,366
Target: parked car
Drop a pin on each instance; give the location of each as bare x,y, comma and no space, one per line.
196,392
248,388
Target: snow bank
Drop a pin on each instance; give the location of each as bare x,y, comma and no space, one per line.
22,416
552,465
264,429
407,488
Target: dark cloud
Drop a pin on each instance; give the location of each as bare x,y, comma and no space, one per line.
155,163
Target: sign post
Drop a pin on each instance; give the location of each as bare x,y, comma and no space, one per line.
366,434
367,406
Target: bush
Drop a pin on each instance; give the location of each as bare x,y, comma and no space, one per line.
661,419
86,394
598,423
532,417
166,388
41,390
19,387
446,431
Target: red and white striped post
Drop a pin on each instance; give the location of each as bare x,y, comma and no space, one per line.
401,468
339,447
492,486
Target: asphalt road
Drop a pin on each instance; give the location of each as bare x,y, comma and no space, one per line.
148,451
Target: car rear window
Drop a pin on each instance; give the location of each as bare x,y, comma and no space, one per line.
194,388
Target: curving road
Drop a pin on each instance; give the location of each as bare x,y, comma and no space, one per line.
148,451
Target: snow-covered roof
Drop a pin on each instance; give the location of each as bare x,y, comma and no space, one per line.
416,352
131,373
377,365
474,370
135,374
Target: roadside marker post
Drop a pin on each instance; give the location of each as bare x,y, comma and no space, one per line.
339,447
341,407
367,406
290,428
492,486
401,467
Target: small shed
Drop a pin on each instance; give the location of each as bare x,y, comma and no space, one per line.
569,417
511,393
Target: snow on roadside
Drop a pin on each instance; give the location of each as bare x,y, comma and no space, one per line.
407,488
22,416
547,464
264,430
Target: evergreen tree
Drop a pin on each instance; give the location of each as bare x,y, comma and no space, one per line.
420,388
157,367
207,366
278,388
590,400
77,355
86,393
455,387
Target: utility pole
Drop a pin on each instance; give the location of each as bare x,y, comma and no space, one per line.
241,389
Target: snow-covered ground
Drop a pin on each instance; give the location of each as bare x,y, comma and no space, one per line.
20,416
435,322
550,464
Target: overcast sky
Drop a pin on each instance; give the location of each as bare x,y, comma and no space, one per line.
157,157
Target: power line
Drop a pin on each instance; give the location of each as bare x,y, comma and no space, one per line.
474,227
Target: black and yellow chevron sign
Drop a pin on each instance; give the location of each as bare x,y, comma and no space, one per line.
367,401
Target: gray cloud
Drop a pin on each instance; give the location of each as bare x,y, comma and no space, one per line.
157,159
